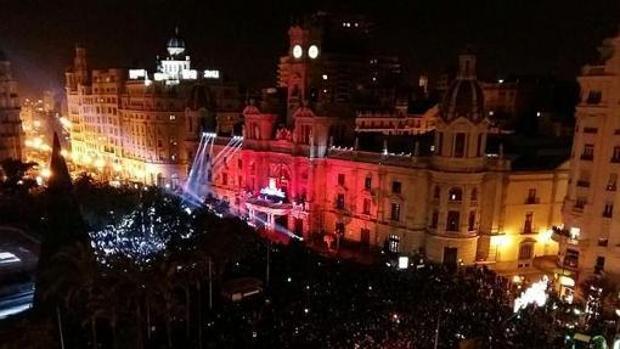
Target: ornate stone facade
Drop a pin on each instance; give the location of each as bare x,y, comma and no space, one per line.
450,198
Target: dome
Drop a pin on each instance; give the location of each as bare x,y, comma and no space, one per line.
176,45
464,97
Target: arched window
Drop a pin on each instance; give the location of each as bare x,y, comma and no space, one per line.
453,221
436,192
455,194
471,223
474,194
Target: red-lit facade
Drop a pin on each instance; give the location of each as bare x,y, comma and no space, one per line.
449,199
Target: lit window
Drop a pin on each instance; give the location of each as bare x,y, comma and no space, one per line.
324,76
394,243
455,194
173,117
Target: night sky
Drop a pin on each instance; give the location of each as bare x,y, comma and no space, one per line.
245,38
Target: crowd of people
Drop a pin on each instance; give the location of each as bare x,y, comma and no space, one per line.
314,302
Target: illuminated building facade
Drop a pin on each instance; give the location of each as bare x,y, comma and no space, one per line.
10,124
397,123
448,197
142,126
588,239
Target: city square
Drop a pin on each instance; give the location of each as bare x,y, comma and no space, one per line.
313,184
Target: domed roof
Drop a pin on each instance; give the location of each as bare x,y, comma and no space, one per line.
176,45
464,97
176,42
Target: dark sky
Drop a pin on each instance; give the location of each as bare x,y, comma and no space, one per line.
245,38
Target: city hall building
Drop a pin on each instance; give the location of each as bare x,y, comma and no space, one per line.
455,193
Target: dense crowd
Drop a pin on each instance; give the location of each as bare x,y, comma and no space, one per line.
319,303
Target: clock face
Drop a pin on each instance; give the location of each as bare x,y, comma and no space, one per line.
313,51
297,51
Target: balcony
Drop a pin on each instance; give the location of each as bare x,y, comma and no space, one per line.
583,183
532,201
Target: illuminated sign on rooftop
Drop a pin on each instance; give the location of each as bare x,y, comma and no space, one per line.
211,74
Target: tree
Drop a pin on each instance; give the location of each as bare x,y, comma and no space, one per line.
64,227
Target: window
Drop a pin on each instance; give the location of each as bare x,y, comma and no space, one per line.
471,223
479,151
340,228
394,243
396,187
436,193
590,130
434,219
240,163
600,264
594,97
531,196
395,212
455,194
474,194
453,221
368,183
459,145
340,201
527,225
571,259
225,178
580,203
588,152
611,182
608,210
366,206
341,179
172,117
616,155
525,251
603,242
584,179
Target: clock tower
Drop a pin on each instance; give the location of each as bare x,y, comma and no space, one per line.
298,69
